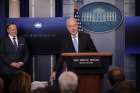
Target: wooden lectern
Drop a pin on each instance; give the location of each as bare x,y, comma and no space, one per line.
90,68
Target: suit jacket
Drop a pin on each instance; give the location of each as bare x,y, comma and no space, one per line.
85,45
8,54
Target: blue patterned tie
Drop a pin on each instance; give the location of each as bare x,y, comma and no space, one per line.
14,43
75,43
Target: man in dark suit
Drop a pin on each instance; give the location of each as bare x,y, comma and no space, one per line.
83,42
13,54
77,41
74,42
115,76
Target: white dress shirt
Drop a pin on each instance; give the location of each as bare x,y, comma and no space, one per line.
11,38
73,38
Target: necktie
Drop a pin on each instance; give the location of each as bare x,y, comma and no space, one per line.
14,43
75,43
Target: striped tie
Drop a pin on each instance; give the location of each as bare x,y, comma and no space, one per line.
75,43
14,43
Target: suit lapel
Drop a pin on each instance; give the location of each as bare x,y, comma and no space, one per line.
79,40
70,43
20,44
10,43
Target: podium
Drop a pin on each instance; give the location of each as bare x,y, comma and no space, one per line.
90,68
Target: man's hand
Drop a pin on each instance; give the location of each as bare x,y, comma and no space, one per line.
20,63
15,65
53,76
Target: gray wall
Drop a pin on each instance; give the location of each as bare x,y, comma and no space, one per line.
42,8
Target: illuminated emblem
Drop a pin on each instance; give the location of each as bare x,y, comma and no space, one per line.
100,17
38,25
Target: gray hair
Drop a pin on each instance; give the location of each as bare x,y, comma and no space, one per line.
68,82
71,19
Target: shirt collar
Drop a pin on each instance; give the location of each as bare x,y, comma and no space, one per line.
75,36
12,37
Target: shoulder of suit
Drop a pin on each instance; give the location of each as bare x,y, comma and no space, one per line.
21,38
83,33
4,38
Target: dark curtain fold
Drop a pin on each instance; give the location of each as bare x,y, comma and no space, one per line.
4,12
58,8
24,8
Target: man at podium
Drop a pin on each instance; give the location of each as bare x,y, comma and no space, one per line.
75,41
